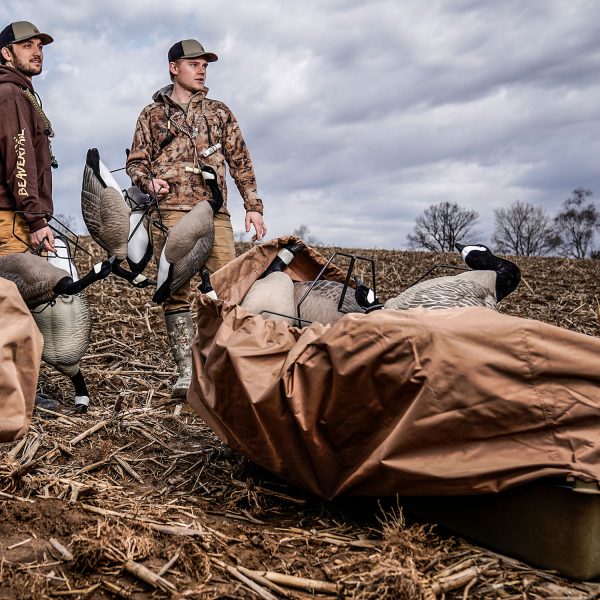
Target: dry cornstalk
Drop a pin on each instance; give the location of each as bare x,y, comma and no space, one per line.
84,592
12,453
13,497
455,568
169,564
256,576
116,589
176,530
302,583
129,469
453,582
89,432
151,578
64,553
253,585
31,451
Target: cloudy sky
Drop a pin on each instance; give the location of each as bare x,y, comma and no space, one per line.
358,115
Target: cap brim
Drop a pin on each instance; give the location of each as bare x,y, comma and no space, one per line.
44,37
207,56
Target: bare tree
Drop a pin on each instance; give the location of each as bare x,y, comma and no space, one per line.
523,230
441,226
66,224
576,224
303,232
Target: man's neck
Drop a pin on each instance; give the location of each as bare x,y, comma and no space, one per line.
180,95
28,77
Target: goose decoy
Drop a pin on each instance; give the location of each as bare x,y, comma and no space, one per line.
272,297
109,220
139,247
205,286
66,326
319,300
272,294
188,243
491,280
365,296
39,281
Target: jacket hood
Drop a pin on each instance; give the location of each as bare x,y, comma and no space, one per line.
165,92
10,75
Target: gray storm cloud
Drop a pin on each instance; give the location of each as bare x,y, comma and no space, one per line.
358,115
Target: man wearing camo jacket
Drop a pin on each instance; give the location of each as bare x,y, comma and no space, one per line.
181,129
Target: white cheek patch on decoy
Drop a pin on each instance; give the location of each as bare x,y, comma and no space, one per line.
138,244
139,278
82,401
108,178
286,256
163,269
61,259
468,249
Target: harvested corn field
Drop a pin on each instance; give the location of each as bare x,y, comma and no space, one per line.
138,498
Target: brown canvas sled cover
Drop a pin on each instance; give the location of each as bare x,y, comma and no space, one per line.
419,402
21,346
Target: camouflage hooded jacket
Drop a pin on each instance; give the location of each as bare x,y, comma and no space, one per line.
163,150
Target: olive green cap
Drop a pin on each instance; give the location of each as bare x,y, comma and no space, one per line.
21,31
190,49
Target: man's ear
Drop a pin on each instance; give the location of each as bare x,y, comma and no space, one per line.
6,54
173,68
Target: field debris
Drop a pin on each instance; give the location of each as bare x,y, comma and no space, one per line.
139,499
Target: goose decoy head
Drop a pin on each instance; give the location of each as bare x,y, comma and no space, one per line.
284,257
365,296
477,256
480,258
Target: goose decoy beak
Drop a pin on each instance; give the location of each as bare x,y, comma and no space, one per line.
459,247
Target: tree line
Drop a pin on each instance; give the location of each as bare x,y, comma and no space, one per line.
521,229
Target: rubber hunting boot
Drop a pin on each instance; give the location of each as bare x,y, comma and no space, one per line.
180,328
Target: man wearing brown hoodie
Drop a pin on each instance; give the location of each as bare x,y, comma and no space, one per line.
25,151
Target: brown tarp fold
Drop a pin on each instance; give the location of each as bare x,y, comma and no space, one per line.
21,346
419,402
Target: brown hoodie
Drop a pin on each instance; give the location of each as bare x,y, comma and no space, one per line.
25,159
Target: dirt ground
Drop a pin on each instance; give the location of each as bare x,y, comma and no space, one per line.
139,499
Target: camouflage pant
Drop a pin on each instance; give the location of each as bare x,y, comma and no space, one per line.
223,252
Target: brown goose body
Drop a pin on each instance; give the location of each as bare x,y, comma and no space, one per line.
491,279
187,247
321,303
104,210
272,297
33,275
472,288
66,327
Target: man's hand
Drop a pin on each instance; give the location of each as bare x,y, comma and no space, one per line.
159,187
37,237
256,219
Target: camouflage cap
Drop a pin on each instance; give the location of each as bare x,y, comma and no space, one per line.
190,49
20,31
